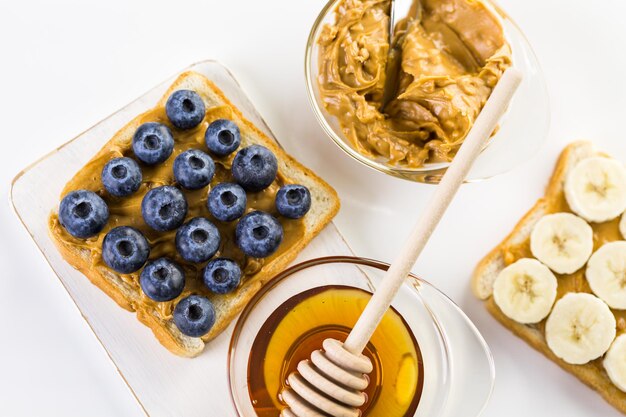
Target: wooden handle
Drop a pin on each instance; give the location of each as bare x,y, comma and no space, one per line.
485,124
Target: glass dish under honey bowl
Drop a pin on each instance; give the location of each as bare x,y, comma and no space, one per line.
429,359
522,130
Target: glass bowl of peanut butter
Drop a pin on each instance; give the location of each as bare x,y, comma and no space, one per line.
429,360
451,57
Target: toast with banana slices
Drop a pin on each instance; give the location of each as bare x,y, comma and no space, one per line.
556,281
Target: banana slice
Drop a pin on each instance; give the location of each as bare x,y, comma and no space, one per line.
562,241
622,226
615,362
580,328
596,189
525,291
606,274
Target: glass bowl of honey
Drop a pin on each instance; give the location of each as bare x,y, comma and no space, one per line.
429,359
415,136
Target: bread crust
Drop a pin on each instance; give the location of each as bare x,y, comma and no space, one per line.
592,374
325,201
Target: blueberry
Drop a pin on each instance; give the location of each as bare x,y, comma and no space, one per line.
258,234
194,169
222,137
125,249
162,280
221,275
164,208
194,315
153,143
121,177
227,202
185,109
254,168
293,201
198,240
83,213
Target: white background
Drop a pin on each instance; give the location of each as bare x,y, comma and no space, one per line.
65,65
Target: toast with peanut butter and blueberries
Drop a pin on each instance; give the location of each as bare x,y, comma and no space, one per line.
186,212
558,281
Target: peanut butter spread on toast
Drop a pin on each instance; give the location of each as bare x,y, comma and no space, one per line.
451,59
576,282
126,211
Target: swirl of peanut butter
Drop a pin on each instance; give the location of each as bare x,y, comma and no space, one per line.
451,60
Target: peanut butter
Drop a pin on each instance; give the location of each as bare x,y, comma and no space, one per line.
451,60
126,211
602,233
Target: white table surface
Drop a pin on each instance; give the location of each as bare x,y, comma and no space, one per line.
65,66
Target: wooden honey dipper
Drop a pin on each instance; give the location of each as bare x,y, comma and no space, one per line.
331,382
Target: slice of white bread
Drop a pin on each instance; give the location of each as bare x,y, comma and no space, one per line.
592,373
325,204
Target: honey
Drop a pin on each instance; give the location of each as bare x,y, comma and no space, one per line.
303,322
